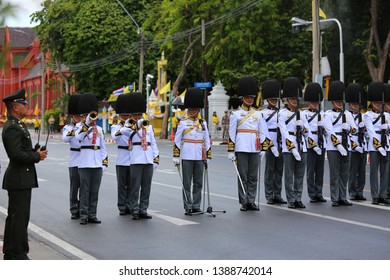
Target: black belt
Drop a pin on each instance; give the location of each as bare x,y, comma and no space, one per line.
124,147
139,144
339,133
314,132
378,131
90,147
273,130
75,149
292,133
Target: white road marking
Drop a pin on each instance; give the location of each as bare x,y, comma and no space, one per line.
55,240
173,220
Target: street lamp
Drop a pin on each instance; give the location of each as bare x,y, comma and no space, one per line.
296,22
148,77
141,59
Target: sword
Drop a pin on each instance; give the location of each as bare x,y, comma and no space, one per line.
239,177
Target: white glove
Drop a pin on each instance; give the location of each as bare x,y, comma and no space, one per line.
262,154
359,149
176,160
155,165
382,151
231,156
346,126
296,154
317,150
208,161
341,150
385,126
320,123
298,123
361,124
88,120
104,168
275,151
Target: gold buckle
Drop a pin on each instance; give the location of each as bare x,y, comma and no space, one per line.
95,147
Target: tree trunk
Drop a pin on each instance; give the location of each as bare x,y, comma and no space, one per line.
187,58
64,78
373,44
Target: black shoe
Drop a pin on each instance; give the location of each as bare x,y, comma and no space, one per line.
320,199
243,207
313,199
122,212
384,201
355,197
335,204
252,206
75,216
197,210
135,217
128,211
291,205
271,201
188,212
361,197
83,222
145,216
345,202
279,200
375,201
94,221
299,204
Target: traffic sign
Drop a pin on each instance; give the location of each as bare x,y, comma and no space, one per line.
203,84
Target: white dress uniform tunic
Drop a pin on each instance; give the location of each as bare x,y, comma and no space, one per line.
338,164
93,156
143,157
248,136
68,136
378,155
122,168
192,144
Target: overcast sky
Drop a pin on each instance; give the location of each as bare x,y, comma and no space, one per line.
23,10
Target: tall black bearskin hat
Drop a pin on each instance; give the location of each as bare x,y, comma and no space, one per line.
87,103
247,86
271,89
354,93
122,105
376,91
193,98
73,104
336,91
387,92
235,102
292,87
137,103
313,92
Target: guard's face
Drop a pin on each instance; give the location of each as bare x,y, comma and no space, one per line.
337,105
77,118
387,107
377,106
313,105
193,112
353,106
124,117
136,116
21,109
292,102
272,102
248,100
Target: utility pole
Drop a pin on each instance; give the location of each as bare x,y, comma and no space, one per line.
43,92
204,73
141,62
316,39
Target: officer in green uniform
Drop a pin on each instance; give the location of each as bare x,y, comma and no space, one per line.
20,176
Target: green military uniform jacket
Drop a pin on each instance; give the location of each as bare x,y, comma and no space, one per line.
20,173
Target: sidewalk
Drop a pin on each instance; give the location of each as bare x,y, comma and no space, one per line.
39,250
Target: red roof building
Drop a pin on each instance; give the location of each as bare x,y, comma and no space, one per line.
21,67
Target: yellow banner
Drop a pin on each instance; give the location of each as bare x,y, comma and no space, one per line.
165,89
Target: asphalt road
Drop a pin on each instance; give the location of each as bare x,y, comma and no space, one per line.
319,232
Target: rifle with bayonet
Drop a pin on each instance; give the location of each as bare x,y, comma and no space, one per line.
320,129
278,134
298,127
344,134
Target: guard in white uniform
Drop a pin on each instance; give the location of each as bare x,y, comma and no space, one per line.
358,157
122,155
248,137
93,158
144,156
273,173
377,124
315,162
69,136
192,147
295,130
339,125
